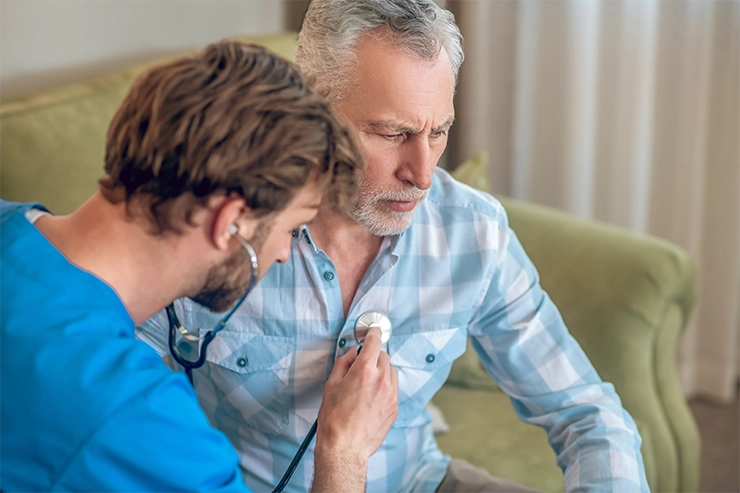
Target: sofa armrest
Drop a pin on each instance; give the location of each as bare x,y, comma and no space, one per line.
626,299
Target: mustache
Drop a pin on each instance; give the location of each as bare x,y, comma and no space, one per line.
403,195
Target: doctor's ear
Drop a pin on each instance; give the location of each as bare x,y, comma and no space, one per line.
231,217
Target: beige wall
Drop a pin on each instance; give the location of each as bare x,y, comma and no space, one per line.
44,43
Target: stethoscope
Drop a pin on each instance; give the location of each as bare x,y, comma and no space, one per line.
363,324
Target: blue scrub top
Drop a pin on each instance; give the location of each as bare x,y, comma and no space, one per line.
85,406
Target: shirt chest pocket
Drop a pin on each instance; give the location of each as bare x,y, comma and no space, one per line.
423,360
249,375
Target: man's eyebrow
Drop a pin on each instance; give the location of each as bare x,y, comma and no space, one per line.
445,126
387,126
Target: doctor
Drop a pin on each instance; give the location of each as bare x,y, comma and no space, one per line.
205,156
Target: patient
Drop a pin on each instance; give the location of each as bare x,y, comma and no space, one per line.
436,256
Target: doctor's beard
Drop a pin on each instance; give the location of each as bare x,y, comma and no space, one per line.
229,280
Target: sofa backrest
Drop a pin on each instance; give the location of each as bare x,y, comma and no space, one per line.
53,142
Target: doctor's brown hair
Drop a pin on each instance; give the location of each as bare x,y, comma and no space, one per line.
234,119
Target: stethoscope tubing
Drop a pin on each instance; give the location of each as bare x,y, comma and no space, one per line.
297,458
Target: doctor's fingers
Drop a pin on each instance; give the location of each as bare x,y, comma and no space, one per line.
342,365
394,379
387,394
384,361
371,347
387,374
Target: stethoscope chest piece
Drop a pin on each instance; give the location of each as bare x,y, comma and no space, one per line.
372,319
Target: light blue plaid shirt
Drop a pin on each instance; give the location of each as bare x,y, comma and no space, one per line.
457,272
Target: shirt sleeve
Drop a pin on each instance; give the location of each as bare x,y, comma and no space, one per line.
524,344
160,440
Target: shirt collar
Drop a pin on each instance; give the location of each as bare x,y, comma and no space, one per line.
389,242
305,235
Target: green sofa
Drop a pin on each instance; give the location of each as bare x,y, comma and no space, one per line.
626,298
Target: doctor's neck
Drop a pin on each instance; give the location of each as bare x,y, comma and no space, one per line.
146,271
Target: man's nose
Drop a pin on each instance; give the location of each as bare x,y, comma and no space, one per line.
418,161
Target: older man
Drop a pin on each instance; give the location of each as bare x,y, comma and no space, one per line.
436,256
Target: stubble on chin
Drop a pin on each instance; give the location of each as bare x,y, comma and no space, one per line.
225,283
371,211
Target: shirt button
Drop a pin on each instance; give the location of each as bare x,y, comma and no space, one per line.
342,342
241,362
430,358
329,276
295,233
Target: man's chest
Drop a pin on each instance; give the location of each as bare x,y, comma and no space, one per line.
305,298
283,341
351,270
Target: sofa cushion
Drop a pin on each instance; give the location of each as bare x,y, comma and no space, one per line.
485,431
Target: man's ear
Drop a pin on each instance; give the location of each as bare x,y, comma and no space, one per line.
231,217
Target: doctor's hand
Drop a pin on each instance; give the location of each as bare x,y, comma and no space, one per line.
359,407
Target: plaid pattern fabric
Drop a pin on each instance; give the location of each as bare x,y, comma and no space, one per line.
457,272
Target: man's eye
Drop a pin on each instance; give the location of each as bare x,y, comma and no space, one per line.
391,136
440,133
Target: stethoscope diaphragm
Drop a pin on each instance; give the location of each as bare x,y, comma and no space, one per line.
368,320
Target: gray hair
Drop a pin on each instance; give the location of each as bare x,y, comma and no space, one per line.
332,28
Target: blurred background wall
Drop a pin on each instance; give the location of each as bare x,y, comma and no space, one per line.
622,111
47,42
